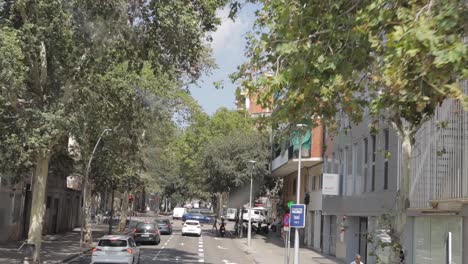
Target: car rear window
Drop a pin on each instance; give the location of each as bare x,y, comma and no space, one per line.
143,226
112,243
162,221
192,223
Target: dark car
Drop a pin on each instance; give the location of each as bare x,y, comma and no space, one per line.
164,226
146,232
197,216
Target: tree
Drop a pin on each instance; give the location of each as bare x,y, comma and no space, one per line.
226,166
64,43
321,60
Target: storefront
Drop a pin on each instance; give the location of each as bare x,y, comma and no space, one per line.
436,238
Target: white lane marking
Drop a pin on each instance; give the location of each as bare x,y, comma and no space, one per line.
200,250
220,247
217,238
202,261
181,244
228,262
156,257
201,255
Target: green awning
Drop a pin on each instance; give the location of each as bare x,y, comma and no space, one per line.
306,140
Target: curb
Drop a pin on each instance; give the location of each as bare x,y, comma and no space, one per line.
245,249
66,260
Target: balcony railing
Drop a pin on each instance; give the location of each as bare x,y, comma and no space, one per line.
440,157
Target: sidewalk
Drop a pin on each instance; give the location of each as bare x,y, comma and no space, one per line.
270,249
55,248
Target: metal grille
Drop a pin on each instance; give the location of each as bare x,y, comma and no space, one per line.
440,156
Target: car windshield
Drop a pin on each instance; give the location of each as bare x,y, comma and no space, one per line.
112,243
192,223
196,214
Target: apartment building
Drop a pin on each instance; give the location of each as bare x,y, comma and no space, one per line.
285,165
62,203
368,170
439,188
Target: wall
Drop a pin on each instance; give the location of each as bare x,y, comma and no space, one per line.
316,150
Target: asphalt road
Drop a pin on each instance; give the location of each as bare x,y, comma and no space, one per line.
176,248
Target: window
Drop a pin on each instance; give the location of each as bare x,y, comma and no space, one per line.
386,138
325,165
314,185
354,168
320,182
341,172
366,145
49,200
333,163
349,171
373,162
112,243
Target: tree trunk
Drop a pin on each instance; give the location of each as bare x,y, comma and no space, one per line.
88,239
124,212
402,203
41,172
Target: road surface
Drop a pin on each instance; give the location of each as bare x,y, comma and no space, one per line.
176,248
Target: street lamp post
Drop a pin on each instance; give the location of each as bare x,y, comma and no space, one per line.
298,193
85,188
249,227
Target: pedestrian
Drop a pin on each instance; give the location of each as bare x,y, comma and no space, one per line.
215,225
357,259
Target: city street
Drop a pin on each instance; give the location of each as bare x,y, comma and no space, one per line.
176,248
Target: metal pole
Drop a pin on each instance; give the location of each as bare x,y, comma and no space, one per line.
111,212
249,228
289,242
298,200
85,189
285,246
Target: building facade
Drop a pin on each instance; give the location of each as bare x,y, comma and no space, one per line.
285,165
368,168
62,203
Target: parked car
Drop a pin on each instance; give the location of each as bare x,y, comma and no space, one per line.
197,216
112,249
147,232
164,226
179,212
191,227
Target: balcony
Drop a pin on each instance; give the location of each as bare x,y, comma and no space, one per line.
286,161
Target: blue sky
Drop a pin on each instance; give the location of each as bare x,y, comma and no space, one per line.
228,51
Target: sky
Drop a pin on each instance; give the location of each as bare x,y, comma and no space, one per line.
228,51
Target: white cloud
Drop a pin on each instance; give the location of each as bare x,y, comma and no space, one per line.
230,34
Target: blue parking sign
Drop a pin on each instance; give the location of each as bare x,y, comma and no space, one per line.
297,219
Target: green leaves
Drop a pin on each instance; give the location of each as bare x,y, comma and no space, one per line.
396,58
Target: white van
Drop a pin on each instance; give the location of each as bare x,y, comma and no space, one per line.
178,212
231,214
257,215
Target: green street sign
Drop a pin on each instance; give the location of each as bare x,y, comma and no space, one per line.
290,203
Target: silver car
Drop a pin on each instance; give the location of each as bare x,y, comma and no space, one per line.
116,249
